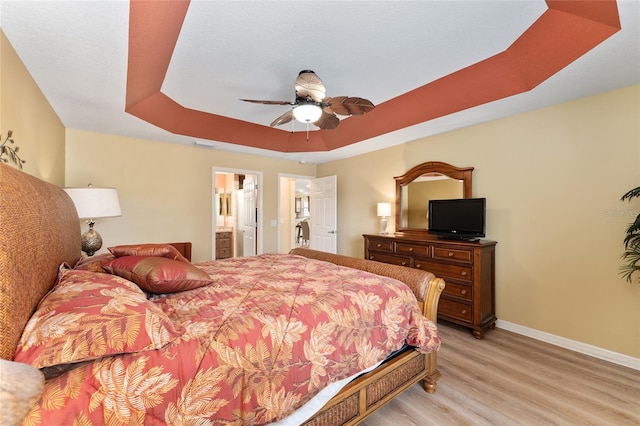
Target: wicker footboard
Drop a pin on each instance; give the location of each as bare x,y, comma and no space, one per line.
373,390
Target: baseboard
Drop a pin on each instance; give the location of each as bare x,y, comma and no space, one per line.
583,348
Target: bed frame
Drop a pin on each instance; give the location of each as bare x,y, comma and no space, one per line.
369,392
40,229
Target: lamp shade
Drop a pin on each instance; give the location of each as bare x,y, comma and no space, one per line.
384,209
307,112
93,202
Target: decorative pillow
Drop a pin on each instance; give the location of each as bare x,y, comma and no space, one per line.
90,315
158,274
159,250
93,263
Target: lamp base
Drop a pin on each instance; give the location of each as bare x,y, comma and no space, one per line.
383,226
91,240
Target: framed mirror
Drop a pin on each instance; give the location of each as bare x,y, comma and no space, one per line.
427,181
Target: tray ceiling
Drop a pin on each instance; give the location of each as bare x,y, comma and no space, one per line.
175,71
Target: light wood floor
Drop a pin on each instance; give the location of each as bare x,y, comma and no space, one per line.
509,379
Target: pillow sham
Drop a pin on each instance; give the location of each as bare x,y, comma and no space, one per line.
159,250
158,274
89,315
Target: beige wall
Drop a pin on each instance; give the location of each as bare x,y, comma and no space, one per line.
287,213
37,130
553,179
165,189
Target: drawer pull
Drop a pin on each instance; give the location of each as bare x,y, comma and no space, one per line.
371,257
418,266
450,254
410,249
404,263
378,245
463,291
463,312
463,273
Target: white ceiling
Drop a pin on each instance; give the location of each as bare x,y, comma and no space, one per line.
77,53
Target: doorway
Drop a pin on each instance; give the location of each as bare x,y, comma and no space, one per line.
293,208
311,200
237,213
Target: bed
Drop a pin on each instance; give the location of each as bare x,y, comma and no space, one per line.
143,336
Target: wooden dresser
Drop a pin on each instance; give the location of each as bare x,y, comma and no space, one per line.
468,269
223,245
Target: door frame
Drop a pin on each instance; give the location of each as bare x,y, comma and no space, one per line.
259,206
280,208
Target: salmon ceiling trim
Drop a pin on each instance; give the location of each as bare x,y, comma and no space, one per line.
564,32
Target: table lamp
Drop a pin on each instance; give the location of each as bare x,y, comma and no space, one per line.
384,211
93,203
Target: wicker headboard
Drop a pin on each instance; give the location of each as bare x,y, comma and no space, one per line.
39,229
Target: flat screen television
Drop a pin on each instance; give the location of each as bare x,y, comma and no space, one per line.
461,218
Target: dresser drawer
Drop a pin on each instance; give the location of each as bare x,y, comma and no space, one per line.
412,250
458,310
223,239
443,270
393,260
381,245
458,254
223,253
460,291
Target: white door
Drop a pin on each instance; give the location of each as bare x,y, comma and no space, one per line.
250,215
324,214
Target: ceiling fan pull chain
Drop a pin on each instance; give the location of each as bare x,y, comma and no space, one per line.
307,131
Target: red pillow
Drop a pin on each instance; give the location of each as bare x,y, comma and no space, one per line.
90,315
158,274
160,250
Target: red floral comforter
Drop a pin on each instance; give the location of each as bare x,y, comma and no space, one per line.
264,337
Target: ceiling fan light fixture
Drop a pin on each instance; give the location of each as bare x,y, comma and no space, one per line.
311,105
307,112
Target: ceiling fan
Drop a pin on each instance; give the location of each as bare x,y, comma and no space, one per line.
311,105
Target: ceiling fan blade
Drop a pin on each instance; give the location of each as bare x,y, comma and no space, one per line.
345,105
309,84
255,101
327,121
283,119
